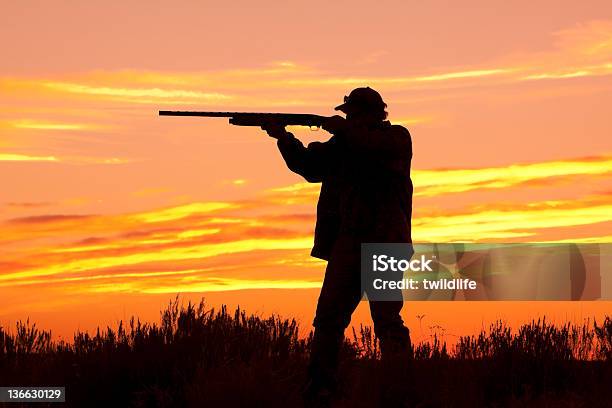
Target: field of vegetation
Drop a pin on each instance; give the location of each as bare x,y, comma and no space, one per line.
201,357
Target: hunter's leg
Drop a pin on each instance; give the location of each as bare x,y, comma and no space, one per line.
339,297
389,327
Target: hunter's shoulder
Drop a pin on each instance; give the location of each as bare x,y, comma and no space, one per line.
399,129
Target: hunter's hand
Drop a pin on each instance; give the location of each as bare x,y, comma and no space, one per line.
275,130
335,124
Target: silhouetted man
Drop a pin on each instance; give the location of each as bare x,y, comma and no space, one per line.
366,196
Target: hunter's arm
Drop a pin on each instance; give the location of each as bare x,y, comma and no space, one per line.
309,162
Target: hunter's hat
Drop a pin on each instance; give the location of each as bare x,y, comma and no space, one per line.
362,99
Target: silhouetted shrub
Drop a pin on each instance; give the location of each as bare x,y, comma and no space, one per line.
198,356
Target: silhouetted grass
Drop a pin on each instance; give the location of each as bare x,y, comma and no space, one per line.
204,357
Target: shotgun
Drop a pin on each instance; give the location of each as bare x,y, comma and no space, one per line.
256,118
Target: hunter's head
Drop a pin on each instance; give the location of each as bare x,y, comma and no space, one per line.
364,105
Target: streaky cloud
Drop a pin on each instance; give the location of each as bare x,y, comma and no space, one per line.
12,157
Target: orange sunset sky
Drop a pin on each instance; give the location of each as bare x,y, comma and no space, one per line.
107,210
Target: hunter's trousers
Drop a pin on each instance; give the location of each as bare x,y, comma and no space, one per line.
340,295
